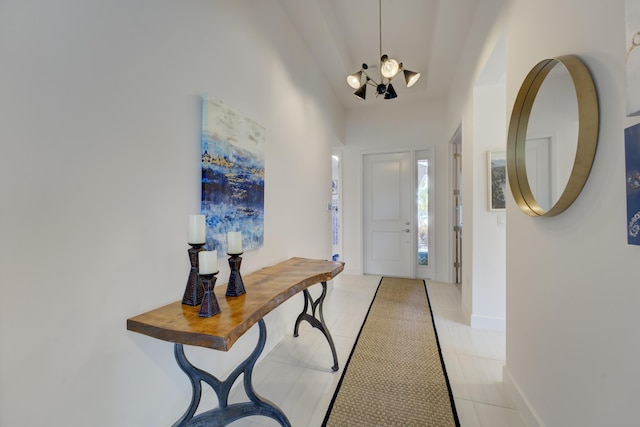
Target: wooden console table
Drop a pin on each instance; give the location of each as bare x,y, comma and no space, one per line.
266,289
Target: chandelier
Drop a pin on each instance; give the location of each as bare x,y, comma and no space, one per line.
389,69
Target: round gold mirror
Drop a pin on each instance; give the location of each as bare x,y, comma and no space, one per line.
552,136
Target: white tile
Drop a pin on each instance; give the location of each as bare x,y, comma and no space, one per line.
495,416
462,341
466,413
296,375
476,342
256,422
348,325
321,358
294,350
456,377
305,397
444,336
483,378
273,380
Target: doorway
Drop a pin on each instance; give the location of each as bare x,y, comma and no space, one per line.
388,214
398,219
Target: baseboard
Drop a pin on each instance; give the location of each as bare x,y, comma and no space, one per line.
487,322
526,411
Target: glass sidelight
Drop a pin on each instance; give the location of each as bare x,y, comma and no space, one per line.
422,187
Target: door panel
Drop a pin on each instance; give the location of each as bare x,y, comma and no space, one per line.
386,246
388,214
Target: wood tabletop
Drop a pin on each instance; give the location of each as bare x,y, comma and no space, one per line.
266,289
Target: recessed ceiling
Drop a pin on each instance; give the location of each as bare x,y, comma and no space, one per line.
427,36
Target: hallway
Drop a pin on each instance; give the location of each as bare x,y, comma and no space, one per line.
296,375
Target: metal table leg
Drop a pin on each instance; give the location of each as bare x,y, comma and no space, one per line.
317,322
225,414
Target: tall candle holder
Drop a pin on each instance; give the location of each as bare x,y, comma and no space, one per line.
210,306
193,292
235,287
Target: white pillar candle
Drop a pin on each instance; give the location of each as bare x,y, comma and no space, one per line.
207,262
234,242
196,229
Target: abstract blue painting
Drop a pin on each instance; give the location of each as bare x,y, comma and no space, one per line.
232,176
632,165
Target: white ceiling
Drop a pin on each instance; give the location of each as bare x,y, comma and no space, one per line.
427,36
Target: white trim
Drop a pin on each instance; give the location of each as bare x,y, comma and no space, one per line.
451,217
488,322
523,405
429,271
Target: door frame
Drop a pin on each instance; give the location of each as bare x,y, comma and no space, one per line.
455,210
429,271
432,214
339,248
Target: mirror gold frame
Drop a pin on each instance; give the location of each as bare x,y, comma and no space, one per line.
588,117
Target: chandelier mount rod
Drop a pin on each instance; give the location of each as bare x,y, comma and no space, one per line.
380,24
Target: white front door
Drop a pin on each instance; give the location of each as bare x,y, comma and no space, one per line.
388,214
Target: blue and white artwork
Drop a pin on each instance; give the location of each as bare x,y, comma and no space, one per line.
232,176
632,166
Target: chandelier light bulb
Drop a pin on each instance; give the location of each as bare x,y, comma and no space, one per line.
389,67
354,79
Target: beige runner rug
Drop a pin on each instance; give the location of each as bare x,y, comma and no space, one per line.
395,375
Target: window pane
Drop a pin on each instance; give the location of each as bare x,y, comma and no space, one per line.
423,212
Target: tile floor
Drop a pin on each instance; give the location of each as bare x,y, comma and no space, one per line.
296,375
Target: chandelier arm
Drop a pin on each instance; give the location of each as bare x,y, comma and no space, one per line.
370,81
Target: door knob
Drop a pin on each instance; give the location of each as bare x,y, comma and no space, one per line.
406,230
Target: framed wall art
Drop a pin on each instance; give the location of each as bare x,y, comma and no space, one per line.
632,166
232,176
497,167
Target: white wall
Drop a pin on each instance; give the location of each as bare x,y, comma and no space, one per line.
572,280
99,170
385,128
476,103
483,272
483,129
